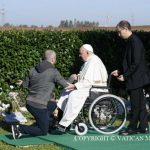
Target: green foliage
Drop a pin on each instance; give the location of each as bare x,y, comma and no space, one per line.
22,49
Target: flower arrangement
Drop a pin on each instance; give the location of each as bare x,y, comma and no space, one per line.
9,101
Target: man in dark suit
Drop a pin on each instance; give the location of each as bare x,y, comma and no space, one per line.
136,75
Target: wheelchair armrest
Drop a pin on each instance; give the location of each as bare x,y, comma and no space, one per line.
99,87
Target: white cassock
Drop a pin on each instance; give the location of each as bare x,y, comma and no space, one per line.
93,72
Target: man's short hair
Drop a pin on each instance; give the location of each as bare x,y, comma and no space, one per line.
124,24
49,54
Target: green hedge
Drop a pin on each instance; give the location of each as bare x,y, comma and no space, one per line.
22,49
109,47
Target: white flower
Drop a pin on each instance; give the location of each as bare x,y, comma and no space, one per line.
13,95
11,87
5,106
2,109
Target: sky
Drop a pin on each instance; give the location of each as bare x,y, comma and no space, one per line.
51,12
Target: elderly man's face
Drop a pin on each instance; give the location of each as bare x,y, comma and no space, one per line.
83,54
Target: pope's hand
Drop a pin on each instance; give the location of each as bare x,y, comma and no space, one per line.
74,77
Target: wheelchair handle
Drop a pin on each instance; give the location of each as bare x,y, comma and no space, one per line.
109,81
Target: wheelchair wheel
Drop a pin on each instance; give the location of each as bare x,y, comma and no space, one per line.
107,114
81,129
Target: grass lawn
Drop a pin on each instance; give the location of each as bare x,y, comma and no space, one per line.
5,129
4,146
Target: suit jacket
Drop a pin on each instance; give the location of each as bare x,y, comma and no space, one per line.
135,71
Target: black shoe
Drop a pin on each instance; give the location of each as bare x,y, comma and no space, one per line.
53,124
15,131
128,132
68,128
59,130
143,131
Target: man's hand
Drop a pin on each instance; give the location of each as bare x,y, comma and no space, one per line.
115,73
19,82
121,78
70,86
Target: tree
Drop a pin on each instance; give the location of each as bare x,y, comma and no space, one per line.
77,23
7,25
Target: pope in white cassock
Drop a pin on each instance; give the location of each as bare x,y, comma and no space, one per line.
93,72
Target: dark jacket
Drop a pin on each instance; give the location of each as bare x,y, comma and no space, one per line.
41,82
135,71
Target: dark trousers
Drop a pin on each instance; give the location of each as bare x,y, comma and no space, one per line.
42,118
138,109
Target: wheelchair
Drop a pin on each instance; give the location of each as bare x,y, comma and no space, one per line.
104,112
